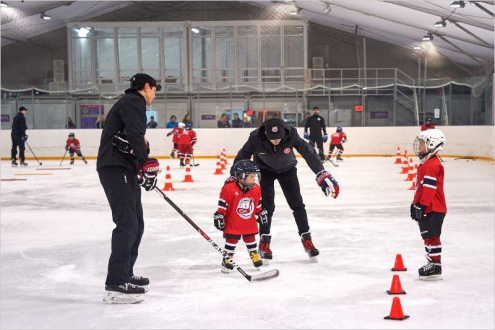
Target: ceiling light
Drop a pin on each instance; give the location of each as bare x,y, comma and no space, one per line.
417,47
195,30
327,9
458,4
440,24
83,32
428,37
3,4
45,16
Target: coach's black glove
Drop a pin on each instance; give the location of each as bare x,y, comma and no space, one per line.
218,220
328,184
24,138
263,217
148,175
419,212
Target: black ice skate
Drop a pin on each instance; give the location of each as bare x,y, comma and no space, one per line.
172,155
308,245
431,271
182,165
265,251
255,258
23,163
72,161
84,160
227,267
14,163
339,157
126,293
140,281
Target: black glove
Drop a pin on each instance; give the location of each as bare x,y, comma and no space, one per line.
413,213
24,138
67,148
148,175
120,142
419,212
218,219
263,217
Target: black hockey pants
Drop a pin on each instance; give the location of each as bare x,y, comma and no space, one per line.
319,144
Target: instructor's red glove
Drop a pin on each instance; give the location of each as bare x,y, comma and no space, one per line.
148,175
328,184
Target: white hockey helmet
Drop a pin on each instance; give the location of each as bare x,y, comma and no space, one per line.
182,125
434,140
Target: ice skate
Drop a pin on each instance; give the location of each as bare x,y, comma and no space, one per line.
226,265
265,251
309,248
14,163
126,293
339,157
23,163
255,258
182,165
172,155
72,161
140,281
84,160
431,271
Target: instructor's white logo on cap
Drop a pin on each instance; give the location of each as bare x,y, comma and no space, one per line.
274,129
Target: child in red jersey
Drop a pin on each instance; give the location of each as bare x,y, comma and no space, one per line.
336,141
187,140
177,131
74,146
429,207
238,206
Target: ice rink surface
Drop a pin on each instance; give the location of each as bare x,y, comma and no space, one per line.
55,243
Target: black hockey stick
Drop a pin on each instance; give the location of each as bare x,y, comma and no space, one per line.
333,155
194,162
63,157
251,278
34,154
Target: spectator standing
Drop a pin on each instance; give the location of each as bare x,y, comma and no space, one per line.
100,123
70,123
236,122
152,123
173,122
223,122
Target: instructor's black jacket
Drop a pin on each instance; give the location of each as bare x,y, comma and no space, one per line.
128,113
19,126
315,123
279,158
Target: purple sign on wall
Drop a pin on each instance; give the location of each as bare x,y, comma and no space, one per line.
5,118
208,117
379,114
89,115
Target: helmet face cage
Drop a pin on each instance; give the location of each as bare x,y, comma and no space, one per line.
71,135
243,169
432,144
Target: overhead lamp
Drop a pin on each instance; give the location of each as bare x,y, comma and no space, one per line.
458,4
327,9
195,30
295,11
440,24
83,32
428,37
3,4
45,16
417,47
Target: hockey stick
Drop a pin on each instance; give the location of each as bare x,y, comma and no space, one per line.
34,154
63,157
333,155
194,162
251,278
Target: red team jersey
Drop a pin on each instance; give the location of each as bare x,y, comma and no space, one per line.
240,209
338,137
424,127
74,145
429,186
177,131
187,137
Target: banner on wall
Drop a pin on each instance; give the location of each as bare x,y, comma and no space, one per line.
89,115
379,114
5,118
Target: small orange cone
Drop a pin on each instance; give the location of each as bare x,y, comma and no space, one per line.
168,181
399,264
218,170
396,287
396,312
410,171
413,187
225,156
223,161
188,177
398,157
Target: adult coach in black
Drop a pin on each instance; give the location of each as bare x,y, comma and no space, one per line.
316,124
123,166
273,147
19,137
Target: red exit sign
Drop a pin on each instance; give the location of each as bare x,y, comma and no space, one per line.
358,108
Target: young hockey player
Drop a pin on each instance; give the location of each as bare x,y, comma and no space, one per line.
336,141
428,207
176,132
73,146
187,140
238,206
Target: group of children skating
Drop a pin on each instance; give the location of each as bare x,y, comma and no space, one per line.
184,139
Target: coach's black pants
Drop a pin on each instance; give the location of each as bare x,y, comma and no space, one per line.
17,142
292,192
124,196
319,143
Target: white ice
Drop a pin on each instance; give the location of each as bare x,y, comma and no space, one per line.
55,244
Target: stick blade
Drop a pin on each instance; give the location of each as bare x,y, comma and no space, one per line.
264,276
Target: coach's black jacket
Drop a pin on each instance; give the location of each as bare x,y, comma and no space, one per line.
279,158
128,113
315,123
19,126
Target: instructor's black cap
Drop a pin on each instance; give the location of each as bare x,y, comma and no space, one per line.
23,108
275,129
140,79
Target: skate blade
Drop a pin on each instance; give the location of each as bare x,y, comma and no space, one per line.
431,278
266,262
313,259
225,270
122,298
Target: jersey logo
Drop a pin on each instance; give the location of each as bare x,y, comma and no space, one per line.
286,150
245,208
274,129
318,119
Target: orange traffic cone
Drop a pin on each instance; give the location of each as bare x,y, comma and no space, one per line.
396,312
398,157
413,187
218,170
225,156
168,181
396,287
223,161
399,264
188,177
410,171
